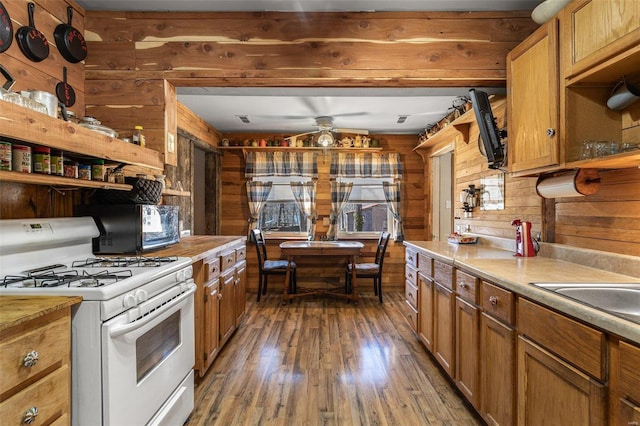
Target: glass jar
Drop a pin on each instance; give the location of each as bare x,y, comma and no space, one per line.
57,163
138,136
97,170
42,160
84,171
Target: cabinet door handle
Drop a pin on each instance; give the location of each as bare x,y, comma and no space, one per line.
31,359
493,300
551,132
463,285
30,415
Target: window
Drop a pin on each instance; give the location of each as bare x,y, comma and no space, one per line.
366,213
280,214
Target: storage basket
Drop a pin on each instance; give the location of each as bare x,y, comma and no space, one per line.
144,191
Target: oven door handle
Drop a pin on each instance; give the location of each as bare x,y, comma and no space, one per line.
138,328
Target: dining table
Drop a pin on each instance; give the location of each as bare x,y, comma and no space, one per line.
347,249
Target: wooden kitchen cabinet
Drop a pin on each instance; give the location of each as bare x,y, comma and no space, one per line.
444,328
35,346
467,337
227,305
625,380
426,311
561,369
240,291
533,112
411,289
551,391
211,318
597,30
497,355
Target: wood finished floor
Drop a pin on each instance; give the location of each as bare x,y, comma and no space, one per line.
322,361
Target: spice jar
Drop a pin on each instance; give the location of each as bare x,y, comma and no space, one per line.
5,155
42,160
138,136
84,171
21,158
57,163
97,170
70,169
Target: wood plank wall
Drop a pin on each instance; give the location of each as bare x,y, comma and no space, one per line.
235,212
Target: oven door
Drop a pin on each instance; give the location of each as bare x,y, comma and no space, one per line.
146,360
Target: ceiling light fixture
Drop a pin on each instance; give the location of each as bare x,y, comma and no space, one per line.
325,138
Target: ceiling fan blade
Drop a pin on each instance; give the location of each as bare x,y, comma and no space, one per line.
302,134
356,131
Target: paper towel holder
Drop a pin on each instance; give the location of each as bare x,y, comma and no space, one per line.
574,183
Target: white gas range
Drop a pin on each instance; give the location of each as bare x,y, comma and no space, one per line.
133,333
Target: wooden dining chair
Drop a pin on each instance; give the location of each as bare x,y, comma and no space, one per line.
370,270
268,267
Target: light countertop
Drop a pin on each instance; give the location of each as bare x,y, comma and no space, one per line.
517,273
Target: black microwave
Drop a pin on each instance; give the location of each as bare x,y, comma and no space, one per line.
134,228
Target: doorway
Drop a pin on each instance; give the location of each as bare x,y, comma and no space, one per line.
442,193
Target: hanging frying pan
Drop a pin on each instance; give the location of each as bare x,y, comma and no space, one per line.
70,41
6,29
32,42
64,91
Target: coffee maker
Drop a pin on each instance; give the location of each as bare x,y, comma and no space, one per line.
524,242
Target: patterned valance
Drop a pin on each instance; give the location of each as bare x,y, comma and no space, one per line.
281,163
365,165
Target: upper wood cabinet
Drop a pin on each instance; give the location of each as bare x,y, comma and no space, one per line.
559,80
596,30
533,101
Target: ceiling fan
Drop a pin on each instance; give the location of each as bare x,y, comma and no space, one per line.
325,128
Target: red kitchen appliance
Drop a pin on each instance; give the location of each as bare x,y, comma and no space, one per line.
524,242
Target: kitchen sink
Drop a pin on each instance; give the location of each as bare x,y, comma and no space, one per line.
622,300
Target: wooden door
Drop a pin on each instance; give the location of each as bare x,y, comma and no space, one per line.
211,324
550,391
444,327
533,101
426,296
227,305
467,350
497,371
240,291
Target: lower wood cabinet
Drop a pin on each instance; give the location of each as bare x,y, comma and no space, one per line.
227,305
240,291
426,296
444,326
211,324
467,350
551,391
497,371
625,372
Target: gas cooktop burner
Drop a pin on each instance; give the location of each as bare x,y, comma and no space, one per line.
124,262
69,278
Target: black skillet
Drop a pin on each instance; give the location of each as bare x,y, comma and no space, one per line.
70,41
32,42
64,91
6,29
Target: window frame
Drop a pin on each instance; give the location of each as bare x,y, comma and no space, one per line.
281,181
364,182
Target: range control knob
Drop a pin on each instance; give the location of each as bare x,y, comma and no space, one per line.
141,295
188,272
180,275
129,301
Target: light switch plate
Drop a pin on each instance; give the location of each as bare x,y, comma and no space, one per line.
171,143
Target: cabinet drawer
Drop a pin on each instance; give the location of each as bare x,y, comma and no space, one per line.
411,275
577,343
212,268
52,341
412,316
50,395
497,302
411,295
443,274
411,258
467,287
425,264
629,371
227,260
241,254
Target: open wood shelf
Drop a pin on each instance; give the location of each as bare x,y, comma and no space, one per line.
291,148
31,127
42,179
175,192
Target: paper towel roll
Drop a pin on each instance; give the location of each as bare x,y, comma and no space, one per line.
574,184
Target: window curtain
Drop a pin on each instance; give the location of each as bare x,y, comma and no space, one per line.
340,192
365,165
281,163
257,194
305,195
392,196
